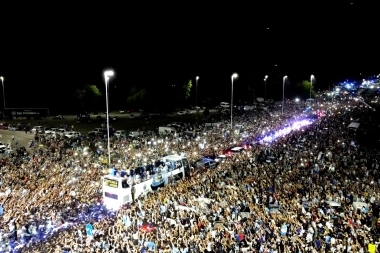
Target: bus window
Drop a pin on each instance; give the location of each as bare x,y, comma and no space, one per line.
110,195
124,184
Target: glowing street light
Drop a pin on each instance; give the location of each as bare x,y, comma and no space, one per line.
196,92
283,93
107,75
232,93
311,83
2,83
265,80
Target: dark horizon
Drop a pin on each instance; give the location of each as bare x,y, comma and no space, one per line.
49,51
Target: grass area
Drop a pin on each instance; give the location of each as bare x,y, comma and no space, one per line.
122,123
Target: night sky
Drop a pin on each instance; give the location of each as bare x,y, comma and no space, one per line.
49,50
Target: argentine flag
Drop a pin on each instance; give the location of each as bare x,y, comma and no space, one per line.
126,221
140,204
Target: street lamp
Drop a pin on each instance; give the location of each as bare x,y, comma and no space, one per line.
311,83
2,83
107,75
265,80
232,93
196,92
283,93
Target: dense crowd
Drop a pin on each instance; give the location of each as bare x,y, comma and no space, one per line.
315,190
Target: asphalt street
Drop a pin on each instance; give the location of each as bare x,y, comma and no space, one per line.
22,138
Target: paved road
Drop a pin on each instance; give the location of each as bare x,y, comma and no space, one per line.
135,114
22,137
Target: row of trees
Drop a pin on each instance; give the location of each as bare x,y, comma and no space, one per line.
89,95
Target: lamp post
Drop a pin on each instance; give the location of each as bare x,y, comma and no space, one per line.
107,75
2,83
265,80
232,94
283,93
311,84
196,92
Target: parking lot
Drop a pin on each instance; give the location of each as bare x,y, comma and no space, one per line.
118,121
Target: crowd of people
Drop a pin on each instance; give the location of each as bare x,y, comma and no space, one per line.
314,190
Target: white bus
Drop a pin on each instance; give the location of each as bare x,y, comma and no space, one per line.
122,187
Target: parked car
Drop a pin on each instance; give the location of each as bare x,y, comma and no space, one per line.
249,107
2,147
61,132
98,129
175,125
84,118
59,117
51,130
134,134
13,128
72,134
205,164
38,129
233,150
4,126
181,113
120,134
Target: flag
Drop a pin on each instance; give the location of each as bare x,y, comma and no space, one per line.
89,229
126,221
140,204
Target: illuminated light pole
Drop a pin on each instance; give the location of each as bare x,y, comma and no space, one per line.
265,80
311,83
196,92
232,93
283,93
107,75
2,83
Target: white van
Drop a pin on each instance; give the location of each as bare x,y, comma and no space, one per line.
134,134
224,105
166,130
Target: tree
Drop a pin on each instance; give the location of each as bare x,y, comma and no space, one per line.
87,95
136,95
303,89
187,89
